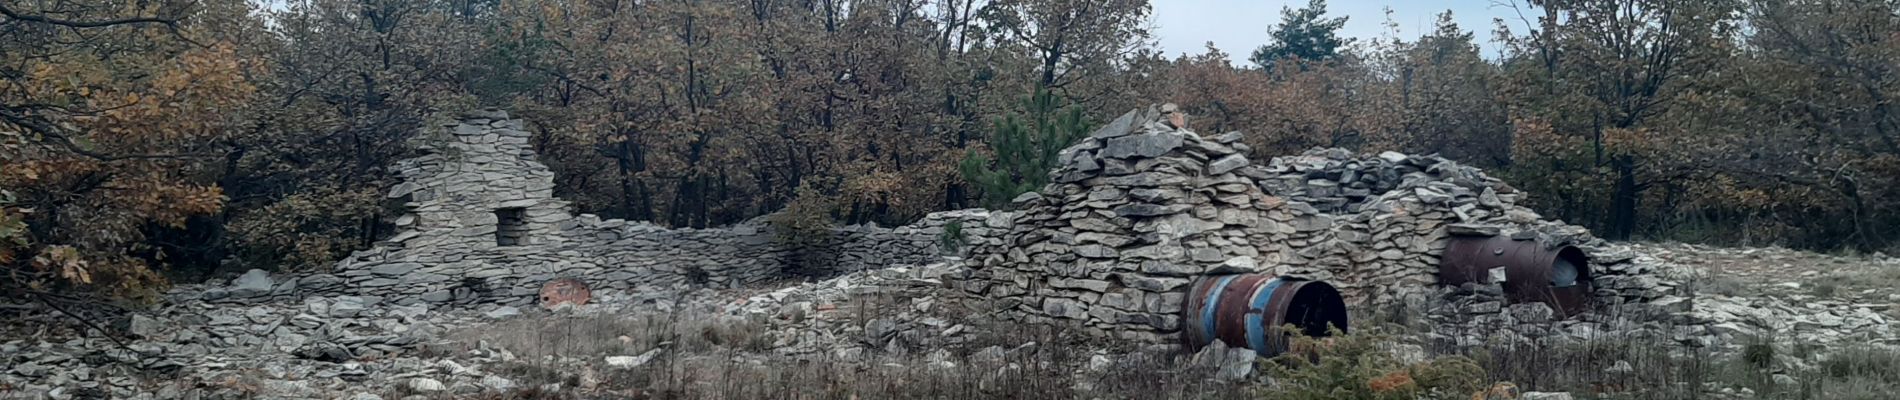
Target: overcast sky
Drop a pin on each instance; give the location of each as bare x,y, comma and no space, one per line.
1239,26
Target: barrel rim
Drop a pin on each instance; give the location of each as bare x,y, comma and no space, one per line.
1263,322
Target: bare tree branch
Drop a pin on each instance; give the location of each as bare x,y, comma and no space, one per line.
53,135
170,24
10,13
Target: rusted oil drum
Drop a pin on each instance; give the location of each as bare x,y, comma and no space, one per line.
565,291
1249,310
1532,272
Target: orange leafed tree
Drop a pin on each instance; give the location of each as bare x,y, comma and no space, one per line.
105,120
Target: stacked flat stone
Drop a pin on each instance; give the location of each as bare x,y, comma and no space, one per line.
1137,209
1394,214
1380,223
448,250
868,247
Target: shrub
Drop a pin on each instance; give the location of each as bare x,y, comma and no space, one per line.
805,229
951,241
1360,367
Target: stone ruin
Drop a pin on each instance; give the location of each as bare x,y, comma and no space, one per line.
1140,213
1137,212
483,225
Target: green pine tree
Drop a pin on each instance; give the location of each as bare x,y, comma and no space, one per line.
1302,34
1022,153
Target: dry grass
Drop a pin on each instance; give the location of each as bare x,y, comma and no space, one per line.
1033,375
1722,284
719,357
599,335
1874,276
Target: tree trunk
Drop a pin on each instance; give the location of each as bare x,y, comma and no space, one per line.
1623,202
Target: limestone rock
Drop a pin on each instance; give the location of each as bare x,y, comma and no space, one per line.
253,283
1226,164
628,362
1146,145
426,385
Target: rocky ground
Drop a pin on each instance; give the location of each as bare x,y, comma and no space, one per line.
1790,295
893,323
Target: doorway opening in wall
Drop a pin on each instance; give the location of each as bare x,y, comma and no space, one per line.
511,227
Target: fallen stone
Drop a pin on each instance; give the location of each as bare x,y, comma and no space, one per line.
1785,380
989,355
1229,364
326,352
426,385
253,283
145,327
1620,367
628,362
30,369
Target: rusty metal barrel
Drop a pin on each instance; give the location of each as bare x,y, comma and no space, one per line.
1529,271
1250,310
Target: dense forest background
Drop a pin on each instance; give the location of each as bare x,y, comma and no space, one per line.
143,141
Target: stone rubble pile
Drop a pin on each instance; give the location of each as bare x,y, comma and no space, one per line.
1730,320
892,309
193,349
357,346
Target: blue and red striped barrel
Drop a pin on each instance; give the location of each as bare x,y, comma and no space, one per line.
1249,310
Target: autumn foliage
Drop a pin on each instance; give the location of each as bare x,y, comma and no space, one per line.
147,140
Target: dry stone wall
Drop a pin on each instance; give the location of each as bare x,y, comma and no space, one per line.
478,173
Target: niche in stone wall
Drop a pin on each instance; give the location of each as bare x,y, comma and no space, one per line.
511,227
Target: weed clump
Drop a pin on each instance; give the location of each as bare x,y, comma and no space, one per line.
1362,367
